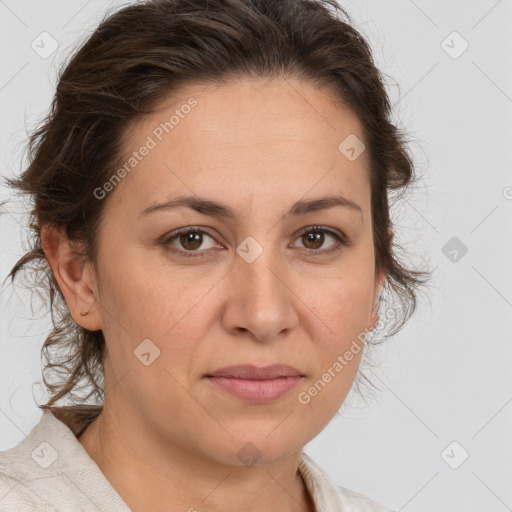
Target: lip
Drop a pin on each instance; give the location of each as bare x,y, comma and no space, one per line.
257,384
252,372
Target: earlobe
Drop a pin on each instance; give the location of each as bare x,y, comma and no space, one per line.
75,277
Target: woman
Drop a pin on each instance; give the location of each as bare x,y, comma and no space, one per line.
211,211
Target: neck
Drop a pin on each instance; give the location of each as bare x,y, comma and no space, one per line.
150,471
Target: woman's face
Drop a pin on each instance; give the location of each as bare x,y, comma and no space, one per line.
258,286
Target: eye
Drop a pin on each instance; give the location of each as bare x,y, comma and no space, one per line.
190,239
313,237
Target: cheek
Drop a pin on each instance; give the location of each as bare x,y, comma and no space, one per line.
339,316
341,320
324,393
142,297
341,304
169,306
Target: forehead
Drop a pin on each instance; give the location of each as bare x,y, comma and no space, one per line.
272,135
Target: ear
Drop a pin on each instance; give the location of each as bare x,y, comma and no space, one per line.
380,280
74,276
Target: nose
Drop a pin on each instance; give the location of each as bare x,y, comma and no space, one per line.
261,299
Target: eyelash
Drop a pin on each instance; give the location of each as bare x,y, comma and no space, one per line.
341,241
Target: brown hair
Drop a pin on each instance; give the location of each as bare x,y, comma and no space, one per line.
140,54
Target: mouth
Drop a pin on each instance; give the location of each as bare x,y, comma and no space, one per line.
256,384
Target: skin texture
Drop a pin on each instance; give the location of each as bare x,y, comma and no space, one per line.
167,439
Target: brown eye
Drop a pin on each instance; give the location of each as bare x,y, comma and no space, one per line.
189,242
313,238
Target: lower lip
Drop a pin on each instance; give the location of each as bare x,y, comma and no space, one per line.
256,390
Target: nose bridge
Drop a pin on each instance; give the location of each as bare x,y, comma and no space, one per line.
262,299
257,264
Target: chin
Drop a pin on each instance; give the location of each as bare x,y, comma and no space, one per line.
257,448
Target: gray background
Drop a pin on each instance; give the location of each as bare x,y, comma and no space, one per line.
445,378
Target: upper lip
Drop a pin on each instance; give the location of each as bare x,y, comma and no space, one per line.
249,371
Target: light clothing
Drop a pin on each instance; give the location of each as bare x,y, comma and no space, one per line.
49,471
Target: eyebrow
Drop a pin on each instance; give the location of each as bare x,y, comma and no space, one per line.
218,209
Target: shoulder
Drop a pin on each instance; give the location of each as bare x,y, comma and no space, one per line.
15,496
24,472
328,496
359,502
49,471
